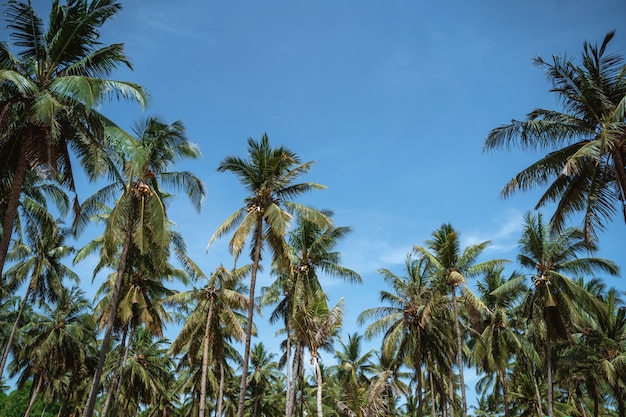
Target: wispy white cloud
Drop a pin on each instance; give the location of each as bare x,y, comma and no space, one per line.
503,231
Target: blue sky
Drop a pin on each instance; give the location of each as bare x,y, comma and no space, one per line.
391,99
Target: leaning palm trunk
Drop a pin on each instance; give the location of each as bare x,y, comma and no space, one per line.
93,393
5,352
205,356
459,346
33,396
14,197
258,239
220,396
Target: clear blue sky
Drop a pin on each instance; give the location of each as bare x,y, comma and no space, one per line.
391,99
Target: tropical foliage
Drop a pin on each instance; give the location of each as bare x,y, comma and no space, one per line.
547,337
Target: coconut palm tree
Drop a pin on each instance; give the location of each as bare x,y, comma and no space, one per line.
269,175
138,221
451,266
555,299
311,252
315,326
353,371
146,373
412,322
50,85
56,343
584,169
498,340
264,378
214,319
37,262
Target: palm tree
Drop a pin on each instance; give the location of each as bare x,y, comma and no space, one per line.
584,169
146,372
498,341
451,267
555,299
56,343
38,262
139,221
264,379
353,371
311,251
412,322
268,175
50,87
316,325
214,319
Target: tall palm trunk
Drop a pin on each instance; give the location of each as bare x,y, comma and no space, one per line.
537,392
318,380
459,347
14,197
205,355
220,396
258,239
106,340
295,372
33,396
7,348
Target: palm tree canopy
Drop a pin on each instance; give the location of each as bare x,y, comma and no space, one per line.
584,168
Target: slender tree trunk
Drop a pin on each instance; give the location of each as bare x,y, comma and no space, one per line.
33,397
549,376
95,387
220,395
14,198
205,354
258,239
7,348
459,346
295,371
318,380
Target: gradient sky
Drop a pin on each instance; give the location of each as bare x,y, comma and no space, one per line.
391,99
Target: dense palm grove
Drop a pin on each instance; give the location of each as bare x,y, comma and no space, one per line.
544,333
